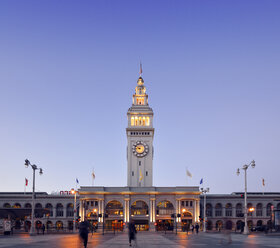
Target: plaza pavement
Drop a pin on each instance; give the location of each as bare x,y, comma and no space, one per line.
144,240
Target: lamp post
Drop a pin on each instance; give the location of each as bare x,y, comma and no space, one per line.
74,192
34,168
204,191
245,167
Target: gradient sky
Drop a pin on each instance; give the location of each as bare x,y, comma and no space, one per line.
68,70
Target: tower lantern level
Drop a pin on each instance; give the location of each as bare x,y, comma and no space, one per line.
140,134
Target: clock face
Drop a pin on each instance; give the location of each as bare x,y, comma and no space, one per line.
140,149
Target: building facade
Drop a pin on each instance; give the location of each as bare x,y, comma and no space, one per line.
55,211
228,209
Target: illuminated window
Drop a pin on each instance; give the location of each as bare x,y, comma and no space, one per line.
132,121
147,121
140,100
144,120
136,121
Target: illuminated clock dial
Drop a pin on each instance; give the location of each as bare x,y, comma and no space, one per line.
140,149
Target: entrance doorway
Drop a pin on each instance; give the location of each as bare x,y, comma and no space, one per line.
141,225
114,225
186,224
164,225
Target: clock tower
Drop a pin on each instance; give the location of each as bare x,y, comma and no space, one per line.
140,134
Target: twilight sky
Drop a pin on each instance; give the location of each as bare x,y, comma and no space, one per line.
68,70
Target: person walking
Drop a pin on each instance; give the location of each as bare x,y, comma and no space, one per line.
197,228
131,232
43,229
83,231
192,228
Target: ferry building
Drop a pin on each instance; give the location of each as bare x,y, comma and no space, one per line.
150,207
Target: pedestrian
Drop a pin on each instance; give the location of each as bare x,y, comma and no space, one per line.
83,231
197,228
131,232
187,228
192,228
43,229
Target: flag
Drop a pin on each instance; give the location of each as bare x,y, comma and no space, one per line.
93,175
77,181
263,182
201,181
26,182
189,174
141,176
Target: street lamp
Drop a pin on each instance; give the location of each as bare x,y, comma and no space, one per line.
34,168
74,192
204,191
245,167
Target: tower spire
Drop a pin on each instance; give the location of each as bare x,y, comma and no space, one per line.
141,69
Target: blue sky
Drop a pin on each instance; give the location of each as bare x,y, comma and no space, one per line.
68,70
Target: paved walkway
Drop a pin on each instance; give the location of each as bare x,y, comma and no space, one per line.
144,240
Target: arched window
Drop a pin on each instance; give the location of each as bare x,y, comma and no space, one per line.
17,205
250,224
147,121
218,209
165,208
140,121
114,208
209,210
38,205
27,205
249,205
238,210
38,210
49,225
139,208
186,214
228,209
268,209
38,224
239,224
219,224
259,209
229,225
144,121
7,205
259,223
132,121
59,225
59,210
209,225
136,121
70,210
50,208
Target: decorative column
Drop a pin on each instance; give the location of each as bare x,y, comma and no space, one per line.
152,212
126,210
82,210
194,211
99,210
197,209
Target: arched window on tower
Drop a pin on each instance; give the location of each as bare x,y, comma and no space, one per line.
147,121
144,121
132,121
136,121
